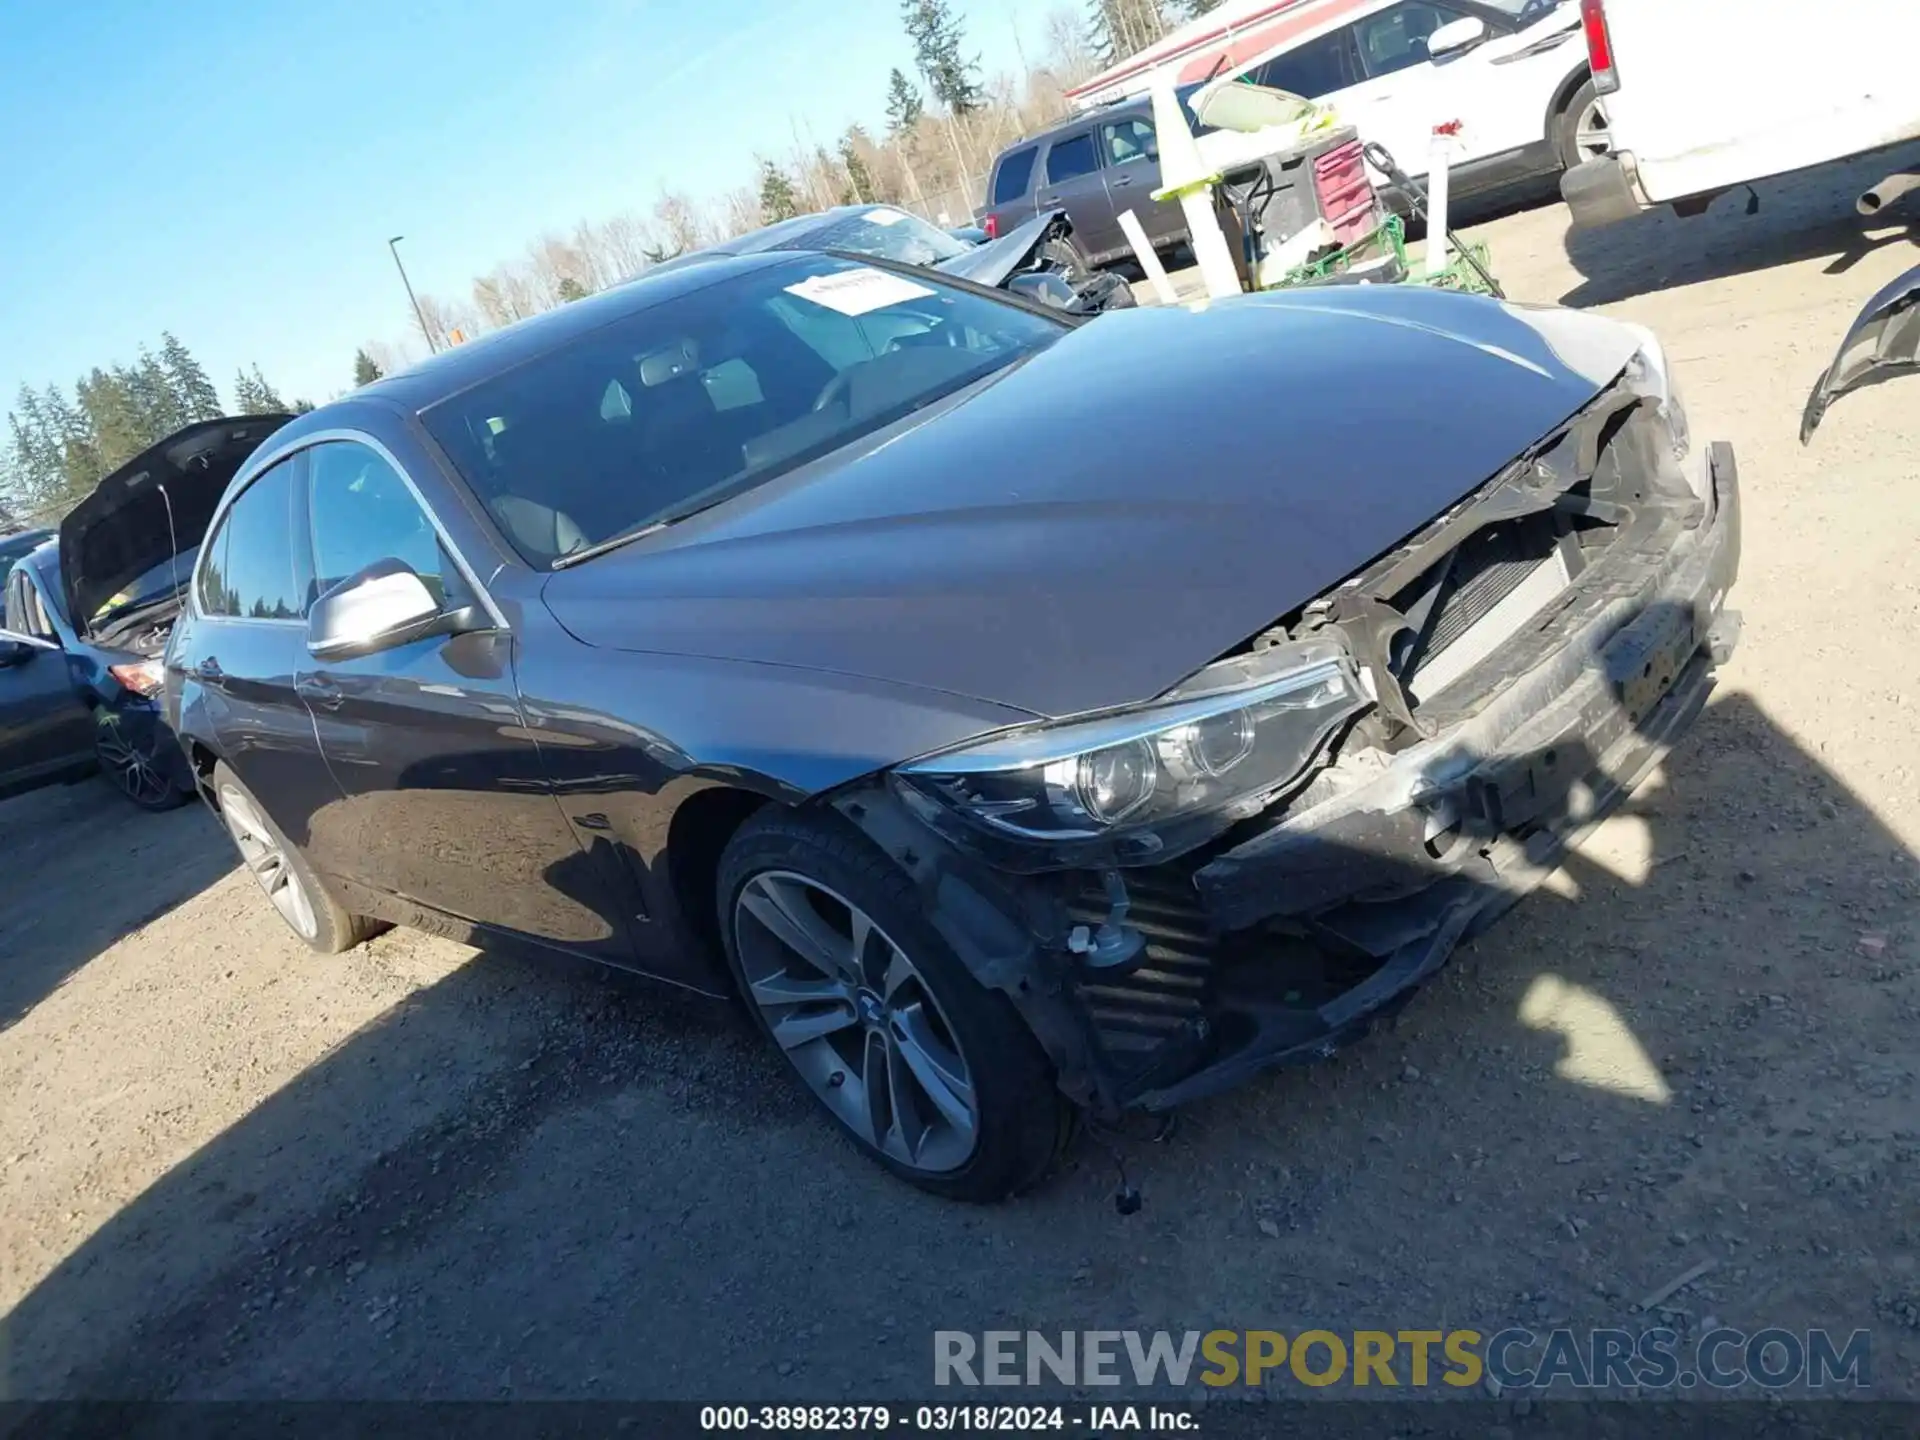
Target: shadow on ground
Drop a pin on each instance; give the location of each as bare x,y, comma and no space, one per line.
1804,216
1697,1045
82,869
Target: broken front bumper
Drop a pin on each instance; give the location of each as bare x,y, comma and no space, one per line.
1386,879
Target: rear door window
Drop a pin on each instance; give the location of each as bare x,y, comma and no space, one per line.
1316,68
1015,174
1071,158
257,570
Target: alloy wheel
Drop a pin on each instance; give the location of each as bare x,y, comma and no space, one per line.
857,1020
132,769
1591,135
266,858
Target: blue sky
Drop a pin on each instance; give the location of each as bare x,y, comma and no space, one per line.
231,172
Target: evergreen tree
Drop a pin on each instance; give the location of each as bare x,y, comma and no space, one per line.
904,106
1194,9
859,189
938,37
365,370
777,198
151,390
119,430
193,391
570,289
1119,28
303,407
252,395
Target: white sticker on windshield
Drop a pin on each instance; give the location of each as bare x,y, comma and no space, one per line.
885,217
857,292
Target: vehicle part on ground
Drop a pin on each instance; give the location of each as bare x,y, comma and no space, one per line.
1883,343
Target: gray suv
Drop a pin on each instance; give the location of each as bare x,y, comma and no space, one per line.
1094,166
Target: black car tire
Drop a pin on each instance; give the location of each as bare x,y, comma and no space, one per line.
1566,125
334,929
1064,254
133,765
1022,1122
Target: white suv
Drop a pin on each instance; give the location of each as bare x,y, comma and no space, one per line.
1514,73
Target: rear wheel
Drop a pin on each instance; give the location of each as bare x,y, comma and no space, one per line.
1580,130
931,1074
283,874
1062,253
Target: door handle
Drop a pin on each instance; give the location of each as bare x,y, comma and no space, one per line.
315,691
1121,180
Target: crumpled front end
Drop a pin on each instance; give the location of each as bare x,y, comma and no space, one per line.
1531,655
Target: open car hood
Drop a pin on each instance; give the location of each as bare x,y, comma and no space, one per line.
152,508
1882,342
993,262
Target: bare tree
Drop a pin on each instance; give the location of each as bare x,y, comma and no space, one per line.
439,319
679,225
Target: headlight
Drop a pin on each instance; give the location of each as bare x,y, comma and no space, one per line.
1650,373
1147,783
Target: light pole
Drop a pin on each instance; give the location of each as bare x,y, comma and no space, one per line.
394,246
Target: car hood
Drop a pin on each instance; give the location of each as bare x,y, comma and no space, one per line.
993,262
152,508
1094,525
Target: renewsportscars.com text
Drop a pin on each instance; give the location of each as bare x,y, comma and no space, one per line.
1513,1358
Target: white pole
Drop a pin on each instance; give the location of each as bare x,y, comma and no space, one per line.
1441,152
1143,251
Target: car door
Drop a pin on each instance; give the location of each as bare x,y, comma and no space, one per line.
1072,179
1131,155
46,731
248,640
444,800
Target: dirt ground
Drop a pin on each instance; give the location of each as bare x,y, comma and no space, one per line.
230,1169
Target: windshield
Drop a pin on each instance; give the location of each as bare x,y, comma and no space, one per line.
162,582
683,404
890,234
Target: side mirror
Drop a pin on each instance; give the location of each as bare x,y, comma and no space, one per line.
18,649
1456,36
384,606
1882,342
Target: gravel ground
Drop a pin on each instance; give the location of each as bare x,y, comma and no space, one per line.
230,1169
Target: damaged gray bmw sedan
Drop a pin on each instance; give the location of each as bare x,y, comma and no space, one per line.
1022,717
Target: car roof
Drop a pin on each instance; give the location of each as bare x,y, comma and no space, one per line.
1078,119
461,367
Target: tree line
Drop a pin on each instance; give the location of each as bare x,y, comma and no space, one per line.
58,445
945,123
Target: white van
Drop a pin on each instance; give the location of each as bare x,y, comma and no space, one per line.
1705,95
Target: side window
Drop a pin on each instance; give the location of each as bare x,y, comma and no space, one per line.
1071,158
1316,68
1128,140
1396,38
212,593
23,615
256,576
360,511
1016,172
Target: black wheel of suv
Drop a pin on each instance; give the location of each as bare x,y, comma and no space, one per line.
130,759
1580,131
1067,256
929,1072
283,874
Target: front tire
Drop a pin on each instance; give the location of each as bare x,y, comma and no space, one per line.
133,763
929,1072
283,874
